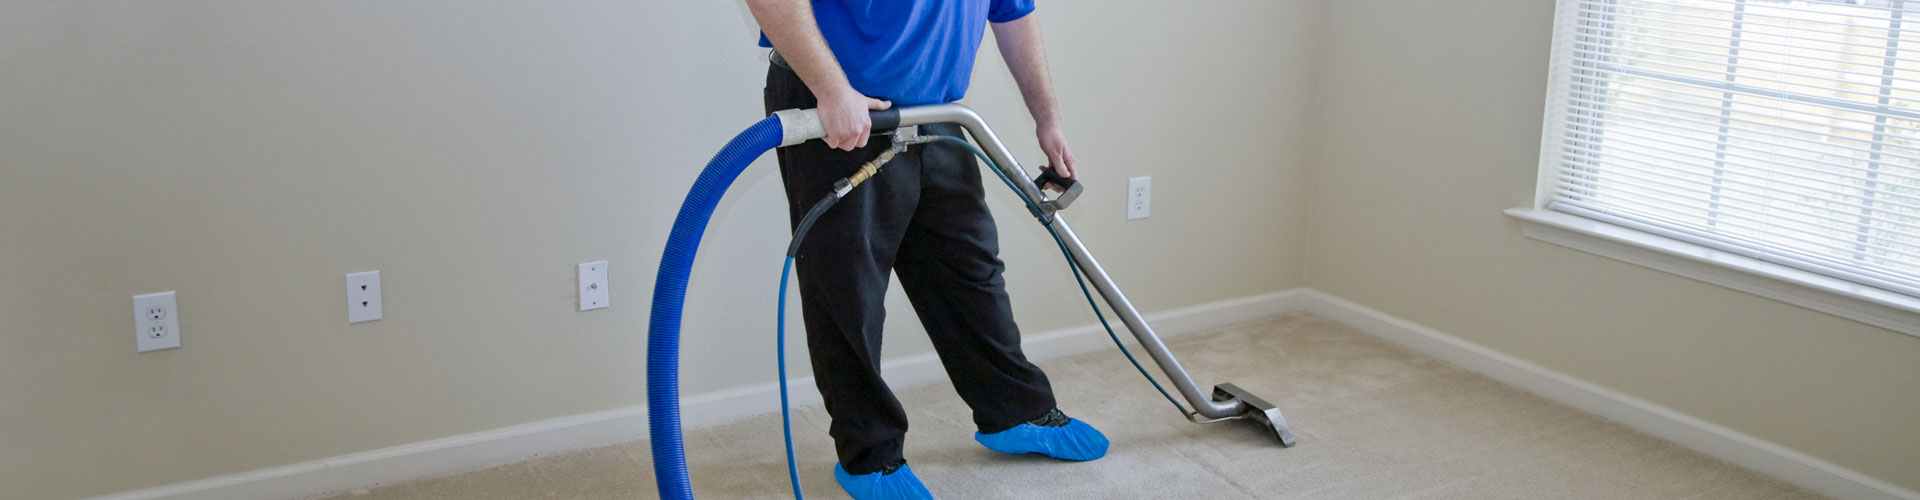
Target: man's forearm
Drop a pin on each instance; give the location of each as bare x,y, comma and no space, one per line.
789,24
1026,57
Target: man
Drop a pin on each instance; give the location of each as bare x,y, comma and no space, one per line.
923,217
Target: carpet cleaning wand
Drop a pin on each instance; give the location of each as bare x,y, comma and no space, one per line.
790,127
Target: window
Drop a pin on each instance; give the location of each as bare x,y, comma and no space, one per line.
1784,131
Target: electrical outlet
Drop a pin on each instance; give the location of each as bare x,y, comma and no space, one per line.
593,286
1139,197
363,297
156,322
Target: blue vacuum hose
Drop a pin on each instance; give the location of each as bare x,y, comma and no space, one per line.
670,290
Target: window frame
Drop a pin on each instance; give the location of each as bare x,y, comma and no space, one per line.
1646,246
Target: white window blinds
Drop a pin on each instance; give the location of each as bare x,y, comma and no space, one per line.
1782,130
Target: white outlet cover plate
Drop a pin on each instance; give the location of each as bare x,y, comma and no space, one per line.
1139,197
593,286
156,321
363,297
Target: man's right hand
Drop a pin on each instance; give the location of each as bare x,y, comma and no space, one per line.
844,116
789,24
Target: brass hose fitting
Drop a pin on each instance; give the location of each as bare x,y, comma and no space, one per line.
869,168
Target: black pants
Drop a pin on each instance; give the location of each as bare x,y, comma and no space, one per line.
924,218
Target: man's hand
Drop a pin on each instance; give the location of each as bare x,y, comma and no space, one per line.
1059,156
844,115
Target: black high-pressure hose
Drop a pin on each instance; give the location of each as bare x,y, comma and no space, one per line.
840,189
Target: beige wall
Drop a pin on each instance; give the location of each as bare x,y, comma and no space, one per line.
1429,116
248,154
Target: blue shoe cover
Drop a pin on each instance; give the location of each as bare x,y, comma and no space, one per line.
1075,441
900,485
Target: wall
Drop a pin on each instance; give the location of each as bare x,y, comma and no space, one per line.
248,154
1429,117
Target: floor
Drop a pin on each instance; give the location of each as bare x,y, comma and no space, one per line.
1373,421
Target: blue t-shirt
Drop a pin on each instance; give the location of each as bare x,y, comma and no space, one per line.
910,51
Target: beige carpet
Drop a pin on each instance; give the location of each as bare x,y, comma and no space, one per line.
1373,420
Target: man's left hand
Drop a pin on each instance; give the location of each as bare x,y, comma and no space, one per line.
1053,142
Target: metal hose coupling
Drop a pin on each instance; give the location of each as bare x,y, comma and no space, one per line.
902,138
866,171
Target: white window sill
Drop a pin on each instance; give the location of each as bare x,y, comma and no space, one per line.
1873,306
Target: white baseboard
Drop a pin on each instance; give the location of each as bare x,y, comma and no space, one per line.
508,444
519,442
1780,462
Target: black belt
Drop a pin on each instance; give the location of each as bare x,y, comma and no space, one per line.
774,57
